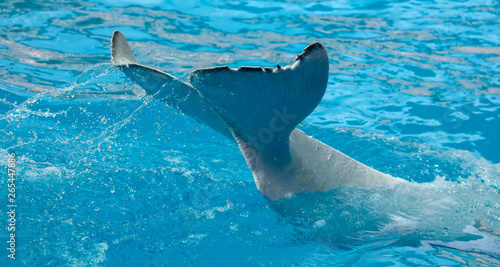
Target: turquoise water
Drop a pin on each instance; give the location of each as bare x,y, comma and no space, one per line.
108,176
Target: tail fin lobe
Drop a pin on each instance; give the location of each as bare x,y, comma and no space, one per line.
121,54
263,106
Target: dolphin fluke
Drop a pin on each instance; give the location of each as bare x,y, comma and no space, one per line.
262,106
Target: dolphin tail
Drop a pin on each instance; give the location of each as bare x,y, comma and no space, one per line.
262,106
256,107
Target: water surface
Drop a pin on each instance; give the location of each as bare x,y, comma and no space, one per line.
109,176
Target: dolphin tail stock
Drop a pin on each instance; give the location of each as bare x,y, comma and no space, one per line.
165,87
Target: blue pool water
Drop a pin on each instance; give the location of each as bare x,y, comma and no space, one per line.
108,176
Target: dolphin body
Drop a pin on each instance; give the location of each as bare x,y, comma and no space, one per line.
259,108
